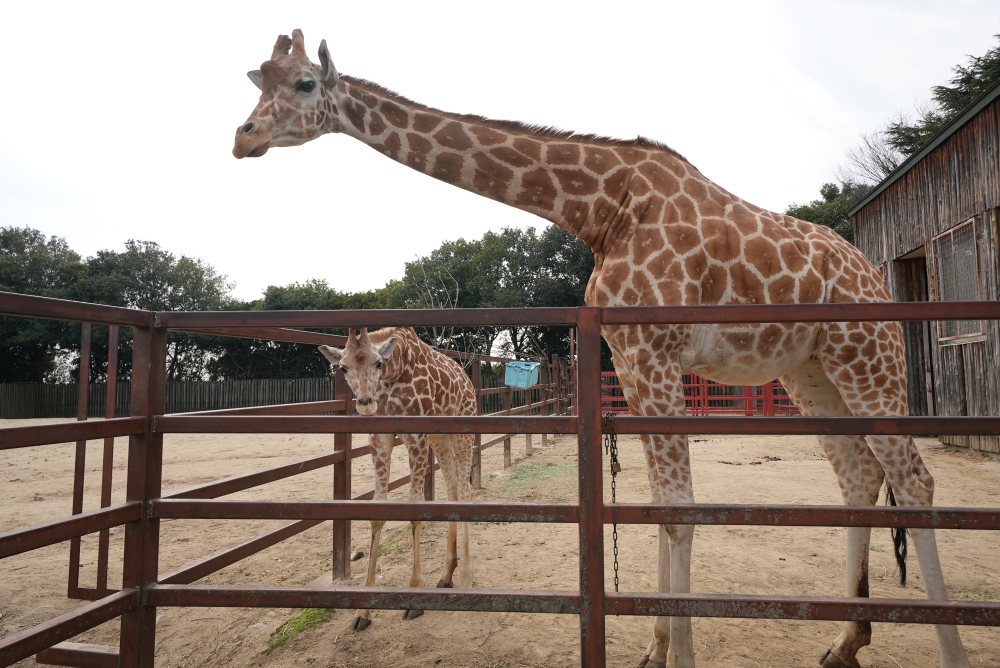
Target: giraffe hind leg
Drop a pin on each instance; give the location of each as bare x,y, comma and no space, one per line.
872,381
860,476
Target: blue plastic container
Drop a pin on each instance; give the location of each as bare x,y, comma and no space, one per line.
521,375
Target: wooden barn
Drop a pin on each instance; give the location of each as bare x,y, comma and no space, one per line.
932,228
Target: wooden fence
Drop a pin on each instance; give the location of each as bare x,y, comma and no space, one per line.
22,401
36,400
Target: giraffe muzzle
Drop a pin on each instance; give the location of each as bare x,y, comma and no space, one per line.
366,406
250,142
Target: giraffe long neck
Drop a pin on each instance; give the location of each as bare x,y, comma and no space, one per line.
591,187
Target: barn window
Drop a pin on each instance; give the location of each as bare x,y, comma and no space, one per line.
956,255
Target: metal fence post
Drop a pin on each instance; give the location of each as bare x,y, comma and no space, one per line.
477,447
145,472
79,468
341,557
591,489
107,469
506,441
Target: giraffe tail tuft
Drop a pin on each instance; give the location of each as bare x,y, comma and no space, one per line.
898,536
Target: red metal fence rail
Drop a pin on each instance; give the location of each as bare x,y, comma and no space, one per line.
706,397
144,589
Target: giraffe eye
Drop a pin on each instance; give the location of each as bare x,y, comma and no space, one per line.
378,365
343,370
305,86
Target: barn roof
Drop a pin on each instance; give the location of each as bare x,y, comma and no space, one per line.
989,95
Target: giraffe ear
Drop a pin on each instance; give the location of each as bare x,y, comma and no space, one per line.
332,354
257,78
385,350
330,74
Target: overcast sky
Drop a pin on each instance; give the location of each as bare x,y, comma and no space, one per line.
117,120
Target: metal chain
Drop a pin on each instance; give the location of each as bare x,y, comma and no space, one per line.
611,448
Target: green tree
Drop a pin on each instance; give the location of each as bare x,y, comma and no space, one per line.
144,276
510,269
256,358
832,209
969,82
32,264
880,152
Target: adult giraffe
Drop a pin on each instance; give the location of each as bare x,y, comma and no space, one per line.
662,234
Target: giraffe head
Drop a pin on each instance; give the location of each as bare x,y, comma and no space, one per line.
364,365
297,99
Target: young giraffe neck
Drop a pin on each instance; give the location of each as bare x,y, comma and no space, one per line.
584,184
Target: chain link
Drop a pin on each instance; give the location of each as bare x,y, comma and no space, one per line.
611,448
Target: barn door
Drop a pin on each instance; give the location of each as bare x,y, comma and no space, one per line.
911,282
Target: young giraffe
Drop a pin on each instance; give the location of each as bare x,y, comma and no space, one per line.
662,234
393,372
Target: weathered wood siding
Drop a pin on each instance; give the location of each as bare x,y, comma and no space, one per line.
959,180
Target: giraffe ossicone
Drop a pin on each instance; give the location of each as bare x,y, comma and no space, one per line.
393,372
662,234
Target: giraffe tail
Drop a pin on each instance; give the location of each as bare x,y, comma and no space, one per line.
898,536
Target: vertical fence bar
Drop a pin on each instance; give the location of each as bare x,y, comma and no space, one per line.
429,480
81,458
476,475
107,470
591,489
145,472
341,558
506,441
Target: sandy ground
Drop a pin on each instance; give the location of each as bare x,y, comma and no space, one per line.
36,483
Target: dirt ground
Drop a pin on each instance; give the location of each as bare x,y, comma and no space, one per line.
36,484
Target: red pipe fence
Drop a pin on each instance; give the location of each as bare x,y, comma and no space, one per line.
144,588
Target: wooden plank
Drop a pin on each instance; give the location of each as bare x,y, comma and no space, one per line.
79,655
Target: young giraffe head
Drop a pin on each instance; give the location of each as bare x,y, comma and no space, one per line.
297,99
364,365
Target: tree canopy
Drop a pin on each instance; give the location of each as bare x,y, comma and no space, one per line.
32,264
880,152
832,209
877,154
510,268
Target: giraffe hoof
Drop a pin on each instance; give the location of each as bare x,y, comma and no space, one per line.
655,664
442,584
412,614
831,660
360,624
644,661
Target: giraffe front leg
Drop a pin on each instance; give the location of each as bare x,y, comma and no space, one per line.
418,449
417,574
381,445
364,617
451,559
445,450
463,463
672,645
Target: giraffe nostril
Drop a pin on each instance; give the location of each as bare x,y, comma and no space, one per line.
247,129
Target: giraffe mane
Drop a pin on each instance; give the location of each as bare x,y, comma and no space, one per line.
517,127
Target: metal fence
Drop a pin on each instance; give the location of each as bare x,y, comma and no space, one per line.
145,589
706,397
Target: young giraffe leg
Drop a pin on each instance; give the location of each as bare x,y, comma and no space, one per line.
463,466
417,448
860,477
381,445
866,362
444,451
